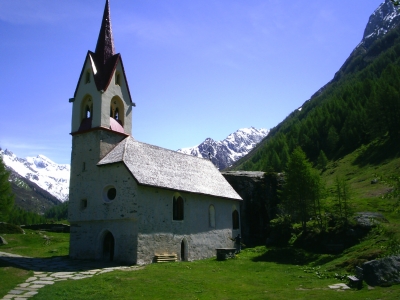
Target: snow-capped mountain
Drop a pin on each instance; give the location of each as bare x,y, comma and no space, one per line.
42,171
384,18
224,153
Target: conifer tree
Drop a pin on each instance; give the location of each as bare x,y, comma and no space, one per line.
6,195
322,160
303,189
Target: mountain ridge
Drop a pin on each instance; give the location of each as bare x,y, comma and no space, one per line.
224,153
321,121
45,174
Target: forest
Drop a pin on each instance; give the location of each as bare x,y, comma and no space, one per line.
359,105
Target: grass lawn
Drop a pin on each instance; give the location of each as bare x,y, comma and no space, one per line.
37,243
34,244
10,277
250,276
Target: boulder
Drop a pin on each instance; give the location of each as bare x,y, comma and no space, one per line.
3,241
368,220
382,272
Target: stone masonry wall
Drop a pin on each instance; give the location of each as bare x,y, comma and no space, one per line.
259,193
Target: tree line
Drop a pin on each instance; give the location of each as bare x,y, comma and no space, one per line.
362,106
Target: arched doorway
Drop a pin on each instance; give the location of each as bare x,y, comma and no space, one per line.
108,246
183,250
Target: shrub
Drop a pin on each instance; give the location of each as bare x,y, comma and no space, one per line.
10,228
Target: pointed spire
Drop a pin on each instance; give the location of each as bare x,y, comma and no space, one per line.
105,43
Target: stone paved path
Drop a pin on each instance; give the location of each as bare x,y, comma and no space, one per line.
50,270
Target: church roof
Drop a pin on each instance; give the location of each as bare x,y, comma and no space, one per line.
155,166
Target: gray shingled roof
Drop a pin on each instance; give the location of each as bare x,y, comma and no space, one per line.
159,167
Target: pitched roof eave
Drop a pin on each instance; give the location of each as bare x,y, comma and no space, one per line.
162,168
82,71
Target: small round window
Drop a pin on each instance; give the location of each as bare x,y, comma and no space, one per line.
109,193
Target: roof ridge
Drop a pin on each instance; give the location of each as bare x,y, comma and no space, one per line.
170,150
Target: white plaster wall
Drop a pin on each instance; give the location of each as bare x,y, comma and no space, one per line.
140,217
122,92
101,101
158,233
118,216
87,240
85,89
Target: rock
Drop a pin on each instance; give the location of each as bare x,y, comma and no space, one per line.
3,241
368,220
374,181
382,272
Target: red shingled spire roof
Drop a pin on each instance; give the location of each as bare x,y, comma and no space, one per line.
105,43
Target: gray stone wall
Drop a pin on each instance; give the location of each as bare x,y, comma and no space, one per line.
140,218
259,193
160,234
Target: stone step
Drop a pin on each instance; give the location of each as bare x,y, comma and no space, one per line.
165,258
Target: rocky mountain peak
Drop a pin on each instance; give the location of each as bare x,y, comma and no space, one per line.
42,171
224,153
384,18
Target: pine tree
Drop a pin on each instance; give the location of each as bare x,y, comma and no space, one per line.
6,195
303,189
322,160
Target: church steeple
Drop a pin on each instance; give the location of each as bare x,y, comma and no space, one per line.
105,42
102,99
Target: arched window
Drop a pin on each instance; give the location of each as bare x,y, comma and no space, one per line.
177,208
235,219
116,116
117,110
211,216
88,112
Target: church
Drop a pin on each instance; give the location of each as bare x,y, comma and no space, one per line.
129,201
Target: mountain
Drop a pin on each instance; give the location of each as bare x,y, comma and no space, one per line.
38,174
224,153
359,105
385,18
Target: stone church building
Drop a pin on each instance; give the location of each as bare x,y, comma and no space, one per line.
130,201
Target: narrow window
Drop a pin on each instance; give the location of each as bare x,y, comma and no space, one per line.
84,166
117,79
235,219
116,114
88,113
211,216
83,204
178,208
87,79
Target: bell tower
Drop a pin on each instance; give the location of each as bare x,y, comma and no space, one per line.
101,118
102,99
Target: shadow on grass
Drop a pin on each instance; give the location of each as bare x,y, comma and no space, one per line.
378,152
292,256
54,264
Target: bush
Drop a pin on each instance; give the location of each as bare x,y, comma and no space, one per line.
10,228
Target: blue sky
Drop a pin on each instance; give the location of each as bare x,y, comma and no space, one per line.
196,69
